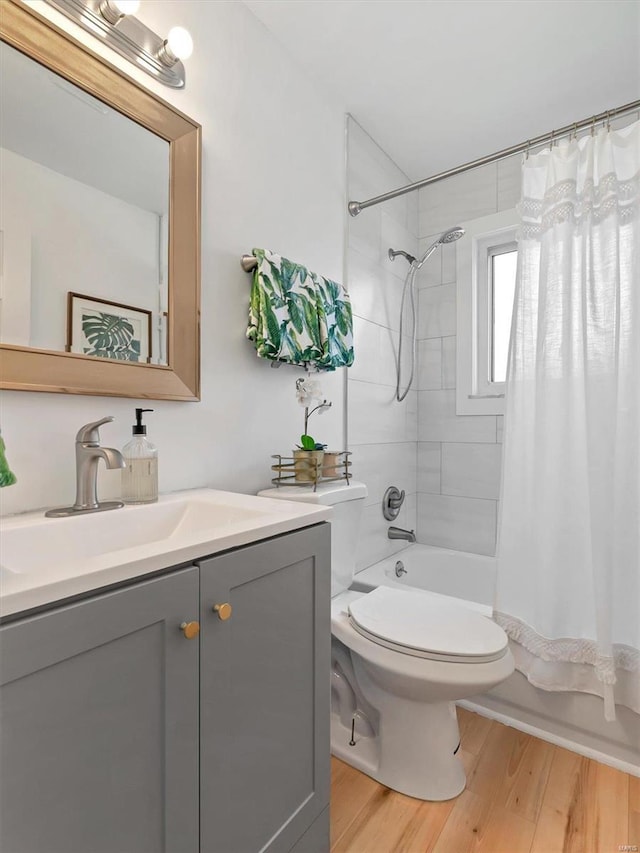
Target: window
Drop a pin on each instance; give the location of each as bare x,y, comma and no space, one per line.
502,285
486,275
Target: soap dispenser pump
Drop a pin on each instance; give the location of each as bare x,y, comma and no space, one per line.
140,474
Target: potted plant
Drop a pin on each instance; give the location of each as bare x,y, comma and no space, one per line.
308,455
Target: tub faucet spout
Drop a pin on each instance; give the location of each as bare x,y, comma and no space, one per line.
399,533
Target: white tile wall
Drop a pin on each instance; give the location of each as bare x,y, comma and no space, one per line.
509,182
429,365
437,311
376,347
471,470
382,432
450,462
429,467
449,362
376,418
454,200
459,457
463,524
364,233
448,251
371,172
375,294
375,545
384,465
438,420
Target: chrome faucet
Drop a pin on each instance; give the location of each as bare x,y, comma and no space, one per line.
88,454
399,533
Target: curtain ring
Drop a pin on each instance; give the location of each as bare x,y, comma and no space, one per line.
608,122
526,153
593,126
575,130
552,140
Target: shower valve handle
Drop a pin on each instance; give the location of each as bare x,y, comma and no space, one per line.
391,502
396,502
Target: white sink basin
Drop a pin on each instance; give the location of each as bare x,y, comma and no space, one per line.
47,559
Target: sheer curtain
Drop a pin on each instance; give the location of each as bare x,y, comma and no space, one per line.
568,589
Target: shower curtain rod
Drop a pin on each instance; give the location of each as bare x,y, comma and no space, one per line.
355,207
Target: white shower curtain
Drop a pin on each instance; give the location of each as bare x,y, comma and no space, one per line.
568,589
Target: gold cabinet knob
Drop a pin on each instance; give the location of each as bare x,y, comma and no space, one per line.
224,611
190,629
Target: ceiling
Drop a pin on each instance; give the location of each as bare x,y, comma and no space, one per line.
438,83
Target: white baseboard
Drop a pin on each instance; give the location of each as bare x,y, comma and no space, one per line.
550,737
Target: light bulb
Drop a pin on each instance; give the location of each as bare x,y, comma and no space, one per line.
115,10
180,43
126,7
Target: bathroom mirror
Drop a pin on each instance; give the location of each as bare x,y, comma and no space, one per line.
99,223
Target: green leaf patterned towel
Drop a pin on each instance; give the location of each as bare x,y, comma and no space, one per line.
296,316
336,324
7,477
283,315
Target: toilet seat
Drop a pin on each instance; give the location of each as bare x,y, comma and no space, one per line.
428,628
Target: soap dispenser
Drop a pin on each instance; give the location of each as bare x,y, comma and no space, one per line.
140,474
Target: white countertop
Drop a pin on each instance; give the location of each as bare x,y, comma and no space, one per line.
44,560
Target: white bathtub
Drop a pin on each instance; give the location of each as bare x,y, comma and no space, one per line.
468,578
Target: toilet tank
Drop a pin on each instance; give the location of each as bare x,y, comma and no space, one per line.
347,502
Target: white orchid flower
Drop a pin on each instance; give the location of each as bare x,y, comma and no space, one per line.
308,392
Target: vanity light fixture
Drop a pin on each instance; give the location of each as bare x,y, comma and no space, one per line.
114,21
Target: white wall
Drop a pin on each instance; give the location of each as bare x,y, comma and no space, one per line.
382,432
70,224
273,175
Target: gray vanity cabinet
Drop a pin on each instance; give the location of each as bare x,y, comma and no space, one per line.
99,724
101,745
264,770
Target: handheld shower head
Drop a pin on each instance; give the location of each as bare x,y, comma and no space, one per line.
449,236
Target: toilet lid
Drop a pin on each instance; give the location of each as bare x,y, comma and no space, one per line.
418,625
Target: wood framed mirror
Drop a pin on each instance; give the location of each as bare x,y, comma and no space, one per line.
38,366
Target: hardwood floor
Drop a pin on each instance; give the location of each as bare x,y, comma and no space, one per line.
523,795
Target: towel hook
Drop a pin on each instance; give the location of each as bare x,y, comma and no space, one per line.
248,263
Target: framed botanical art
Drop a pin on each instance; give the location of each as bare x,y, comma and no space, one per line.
106,329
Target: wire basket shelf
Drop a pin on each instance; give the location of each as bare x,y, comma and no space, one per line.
310,468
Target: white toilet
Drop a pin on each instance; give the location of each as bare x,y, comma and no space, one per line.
399,661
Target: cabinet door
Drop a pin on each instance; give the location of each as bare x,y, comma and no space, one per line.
99,716
265,694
